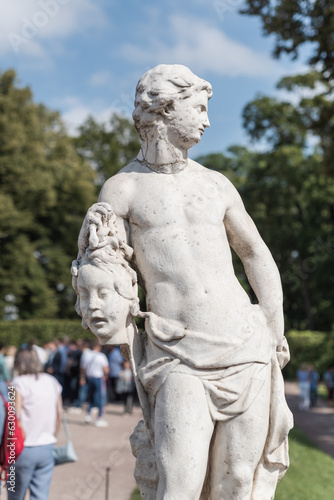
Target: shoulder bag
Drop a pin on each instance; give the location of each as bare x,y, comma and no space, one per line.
65,453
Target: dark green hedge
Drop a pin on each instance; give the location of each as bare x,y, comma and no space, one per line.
316,348
20,331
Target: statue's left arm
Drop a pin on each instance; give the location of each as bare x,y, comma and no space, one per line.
259,265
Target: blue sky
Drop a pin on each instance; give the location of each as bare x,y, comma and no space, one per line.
85,57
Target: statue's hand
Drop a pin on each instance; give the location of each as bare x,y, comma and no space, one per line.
272,321
283,354
275,322
95,225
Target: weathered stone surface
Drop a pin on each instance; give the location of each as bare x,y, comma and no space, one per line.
208,367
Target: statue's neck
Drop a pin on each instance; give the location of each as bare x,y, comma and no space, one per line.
161,155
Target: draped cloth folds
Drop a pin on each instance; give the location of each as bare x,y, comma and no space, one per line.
230,388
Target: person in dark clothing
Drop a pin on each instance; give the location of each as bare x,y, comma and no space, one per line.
56,365
72,374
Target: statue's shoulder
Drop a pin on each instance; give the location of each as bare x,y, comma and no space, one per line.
124,177
217,177
133,169
127,173
122,184
217,181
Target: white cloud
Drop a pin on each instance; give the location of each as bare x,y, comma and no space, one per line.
202,47
101,79
75,113
27,25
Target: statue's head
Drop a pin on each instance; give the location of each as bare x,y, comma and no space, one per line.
159,98
106,287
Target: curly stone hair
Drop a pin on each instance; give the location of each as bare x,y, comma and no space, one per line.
157,90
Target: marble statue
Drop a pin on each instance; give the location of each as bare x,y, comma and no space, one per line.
208,366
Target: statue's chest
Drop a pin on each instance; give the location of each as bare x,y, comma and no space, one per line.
165,202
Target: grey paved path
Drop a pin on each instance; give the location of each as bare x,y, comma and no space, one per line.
317,423
98,448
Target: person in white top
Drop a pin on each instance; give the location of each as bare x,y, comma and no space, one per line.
38,407
41,352
86,355
96,369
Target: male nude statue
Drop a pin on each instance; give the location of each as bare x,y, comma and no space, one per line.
211,367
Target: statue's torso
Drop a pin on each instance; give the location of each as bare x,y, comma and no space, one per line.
180,245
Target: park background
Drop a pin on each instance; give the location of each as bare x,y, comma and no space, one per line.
68,70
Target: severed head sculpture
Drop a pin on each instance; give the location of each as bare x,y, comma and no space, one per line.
105,284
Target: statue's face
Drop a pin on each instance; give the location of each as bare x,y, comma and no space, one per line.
188,119
104,311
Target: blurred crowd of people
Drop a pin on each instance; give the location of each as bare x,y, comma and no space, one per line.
45,378
308,380
87,373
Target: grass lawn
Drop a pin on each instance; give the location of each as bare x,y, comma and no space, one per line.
311,472
136,495
322,392
310,476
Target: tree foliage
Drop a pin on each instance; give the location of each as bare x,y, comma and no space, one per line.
48,181
289,198
295,23
46,189
108,147
288,188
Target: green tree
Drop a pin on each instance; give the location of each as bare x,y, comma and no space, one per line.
316,110
298,22
296,188
46,189
108,147
288,193
295,174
